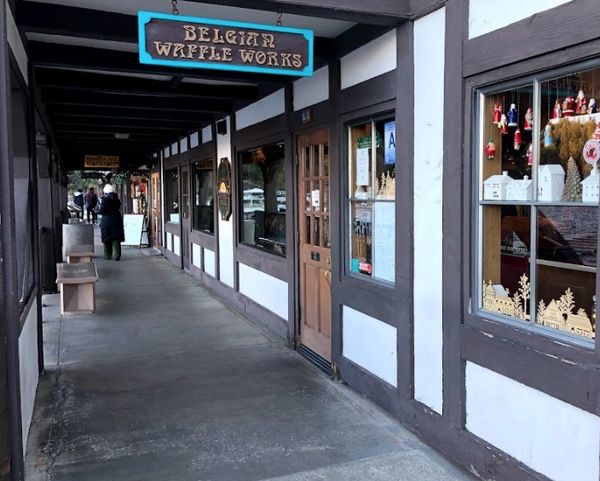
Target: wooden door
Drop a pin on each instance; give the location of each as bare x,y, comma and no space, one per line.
315,245
155,215
184,209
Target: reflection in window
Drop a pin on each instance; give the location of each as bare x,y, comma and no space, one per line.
264,198
203,192
172,195
538,249
372,199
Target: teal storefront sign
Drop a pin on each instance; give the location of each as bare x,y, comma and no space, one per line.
193,42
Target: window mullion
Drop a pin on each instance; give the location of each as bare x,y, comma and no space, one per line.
537,128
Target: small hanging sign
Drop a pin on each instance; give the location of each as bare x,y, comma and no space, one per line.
224,188
193,42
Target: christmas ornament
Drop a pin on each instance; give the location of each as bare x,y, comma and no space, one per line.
591,151
592,106
530,154
572,190
517,140
512,116
568,107
490,150
548,139
528,124
502,125
497,113
580,103
557,111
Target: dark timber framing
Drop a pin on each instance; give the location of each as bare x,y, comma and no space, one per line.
10,314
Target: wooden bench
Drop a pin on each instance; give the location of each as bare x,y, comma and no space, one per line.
78,254
77,284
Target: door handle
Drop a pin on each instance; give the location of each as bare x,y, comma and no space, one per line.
327,275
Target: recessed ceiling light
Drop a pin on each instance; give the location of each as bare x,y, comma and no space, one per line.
121,136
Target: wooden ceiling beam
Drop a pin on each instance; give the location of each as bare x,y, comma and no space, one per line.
96,82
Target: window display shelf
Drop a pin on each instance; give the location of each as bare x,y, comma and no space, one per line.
538,203
566,265
371,199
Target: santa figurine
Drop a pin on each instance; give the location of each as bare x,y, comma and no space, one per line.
518,140
502,125
557,111
490,150
512,116
592,106
568,107
530,154
528,124
580,103
497,113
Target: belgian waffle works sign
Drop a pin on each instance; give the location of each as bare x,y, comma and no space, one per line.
191,42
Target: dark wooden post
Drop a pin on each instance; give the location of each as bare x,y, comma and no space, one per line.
10,304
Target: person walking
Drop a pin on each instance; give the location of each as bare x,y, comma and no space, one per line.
111,225
78,201
91,201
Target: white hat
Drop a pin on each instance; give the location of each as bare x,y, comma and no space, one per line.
109,189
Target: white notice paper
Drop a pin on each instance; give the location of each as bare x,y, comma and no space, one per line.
384,241
362,166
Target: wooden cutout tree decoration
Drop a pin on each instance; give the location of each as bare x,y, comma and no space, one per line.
524,291
573,190
498,299
559,315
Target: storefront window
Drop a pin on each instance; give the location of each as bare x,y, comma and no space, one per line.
263,198
372,209
203,192
538,202
172,196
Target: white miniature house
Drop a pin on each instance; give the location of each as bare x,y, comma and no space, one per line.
551,182
520,189
494,188
591,187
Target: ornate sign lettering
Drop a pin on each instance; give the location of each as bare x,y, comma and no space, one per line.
192,42
224,188
101,161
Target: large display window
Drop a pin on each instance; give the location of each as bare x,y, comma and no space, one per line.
203,190
538,149
372,199
263,198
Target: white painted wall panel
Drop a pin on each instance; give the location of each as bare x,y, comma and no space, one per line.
207,134
550,436
183,145
266,108
196,255
371,344
371,60
176,245
226,241
28,369
194,140
174,148
166,153
486,16
210,262
311,90
169,241
269,292
15,42
429,45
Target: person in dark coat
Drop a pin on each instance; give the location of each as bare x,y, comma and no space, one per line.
111,225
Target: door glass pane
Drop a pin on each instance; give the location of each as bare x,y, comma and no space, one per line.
317,234
307,231
316,161
326,239
326,160
325,196
316,196
308,196
306,157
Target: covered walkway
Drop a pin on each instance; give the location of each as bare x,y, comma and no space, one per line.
136,393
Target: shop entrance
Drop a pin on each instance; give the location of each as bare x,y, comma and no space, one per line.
155,209
315,245
185,216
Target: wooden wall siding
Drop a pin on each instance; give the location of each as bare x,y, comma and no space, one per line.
561,27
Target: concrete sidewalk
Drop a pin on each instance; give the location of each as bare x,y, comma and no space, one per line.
165,383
